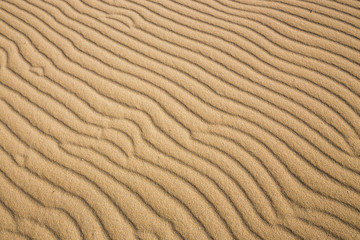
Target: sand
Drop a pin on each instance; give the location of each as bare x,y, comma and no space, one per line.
181,119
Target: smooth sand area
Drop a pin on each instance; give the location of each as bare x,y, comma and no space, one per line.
179,119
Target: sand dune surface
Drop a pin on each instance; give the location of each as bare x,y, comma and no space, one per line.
179,119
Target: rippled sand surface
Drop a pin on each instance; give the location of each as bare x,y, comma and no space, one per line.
179,119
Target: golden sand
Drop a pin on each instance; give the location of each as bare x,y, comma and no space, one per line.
181,119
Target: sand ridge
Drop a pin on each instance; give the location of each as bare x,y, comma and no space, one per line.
181,119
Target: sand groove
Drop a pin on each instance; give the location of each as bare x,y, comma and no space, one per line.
157,119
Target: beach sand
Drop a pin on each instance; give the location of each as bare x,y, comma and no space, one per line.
181,119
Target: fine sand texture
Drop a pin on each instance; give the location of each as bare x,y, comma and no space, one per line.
179,119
